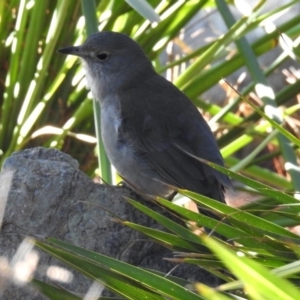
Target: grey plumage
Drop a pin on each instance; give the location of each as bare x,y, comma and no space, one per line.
147,121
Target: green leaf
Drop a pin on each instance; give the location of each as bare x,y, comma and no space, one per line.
275,124
210,293
120,277
170,241
244,237
258,282
281,197
167,223
53,292
257,224
144,9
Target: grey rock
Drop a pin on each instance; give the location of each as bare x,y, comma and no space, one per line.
50,197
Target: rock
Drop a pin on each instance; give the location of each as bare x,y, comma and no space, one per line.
50,197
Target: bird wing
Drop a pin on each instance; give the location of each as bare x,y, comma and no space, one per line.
163,126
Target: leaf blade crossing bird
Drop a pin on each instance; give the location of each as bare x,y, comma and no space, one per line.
148,124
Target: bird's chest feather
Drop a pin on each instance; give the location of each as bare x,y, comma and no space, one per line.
119,152
110,126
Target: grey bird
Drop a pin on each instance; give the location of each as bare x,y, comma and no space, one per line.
148,124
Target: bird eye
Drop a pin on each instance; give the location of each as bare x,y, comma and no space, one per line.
102,56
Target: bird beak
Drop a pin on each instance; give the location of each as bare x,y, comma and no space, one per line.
71,50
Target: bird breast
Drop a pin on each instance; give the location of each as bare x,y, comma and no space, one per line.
121,154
